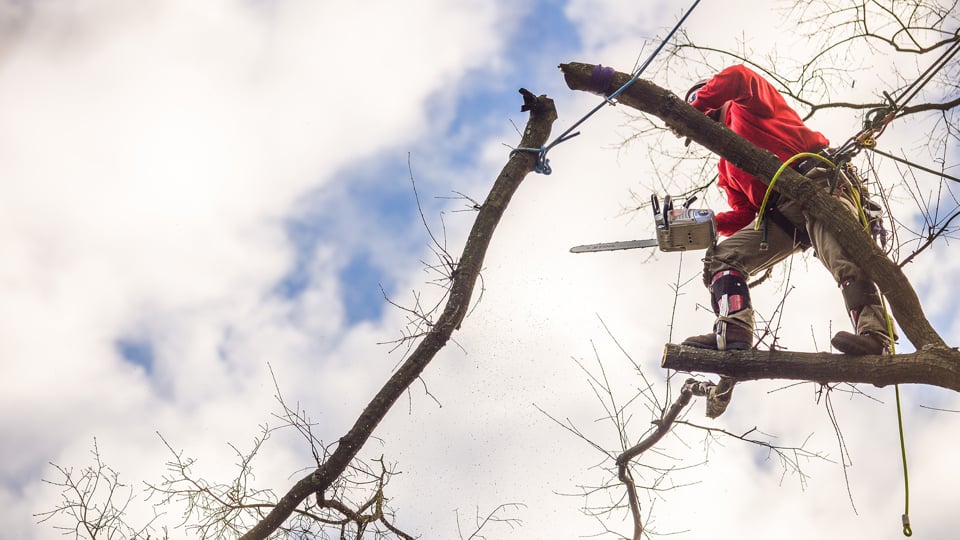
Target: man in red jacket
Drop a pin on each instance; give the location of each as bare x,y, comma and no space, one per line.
751,107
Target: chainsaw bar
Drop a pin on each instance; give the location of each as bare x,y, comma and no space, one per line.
613,246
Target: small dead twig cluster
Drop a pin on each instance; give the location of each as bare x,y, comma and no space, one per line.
94,504
420,316
495,516
355,506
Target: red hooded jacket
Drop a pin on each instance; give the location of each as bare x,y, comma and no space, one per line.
759,114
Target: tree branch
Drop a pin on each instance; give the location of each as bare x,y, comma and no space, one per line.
664,424
464,277
933,366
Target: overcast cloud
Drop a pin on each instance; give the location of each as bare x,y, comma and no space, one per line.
195,193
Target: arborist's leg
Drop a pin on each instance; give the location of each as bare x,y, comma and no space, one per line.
727,266
866,313
733,329
859,294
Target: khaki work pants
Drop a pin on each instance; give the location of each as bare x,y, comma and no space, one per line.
741,252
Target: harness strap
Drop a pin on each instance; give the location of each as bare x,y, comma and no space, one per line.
800,236
770,213
807,164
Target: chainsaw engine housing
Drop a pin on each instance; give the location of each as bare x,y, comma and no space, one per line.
684,229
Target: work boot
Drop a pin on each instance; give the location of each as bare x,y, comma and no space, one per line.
730,298
868,317
863,344
718,397
738,338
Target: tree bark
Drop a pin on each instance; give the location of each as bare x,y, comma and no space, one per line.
935,366
463,279
652,99
664,425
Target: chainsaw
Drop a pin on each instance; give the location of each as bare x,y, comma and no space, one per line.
683,229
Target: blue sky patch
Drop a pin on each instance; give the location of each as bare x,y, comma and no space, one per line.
362,297
136,351
543,40
367,204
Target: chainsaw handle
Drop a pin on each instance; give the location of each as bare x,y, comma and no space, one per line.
656,205
667,207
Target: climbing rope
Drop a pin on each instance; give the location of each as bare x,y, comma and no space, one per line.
600,79
874,125
926,76
905,518
907,530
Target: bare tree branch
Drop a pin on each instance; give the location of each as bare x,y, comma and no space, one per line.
934,366
465,275
95,504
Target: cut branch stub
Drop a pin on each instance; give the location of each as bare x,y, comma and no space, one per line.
933,366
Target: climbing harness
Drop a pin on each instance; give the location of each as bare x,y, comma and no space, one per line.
600,79
770,198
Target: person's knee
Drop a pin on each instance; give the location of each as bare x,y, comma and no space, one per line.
715,265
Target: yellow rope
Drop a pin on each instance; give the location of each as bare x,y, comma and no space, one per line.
766,195
907,530
855,196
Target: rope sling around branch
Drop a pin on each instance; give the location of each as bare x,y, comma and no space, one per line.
600,79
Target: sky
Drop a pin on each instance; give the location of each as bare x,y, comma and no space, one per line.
204,202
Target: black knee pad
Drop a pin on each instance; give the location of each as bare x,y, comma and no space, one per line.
860,293
732,286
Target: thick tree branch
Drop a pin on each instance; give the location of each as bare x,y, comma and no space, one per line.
934,366
652,99
542,115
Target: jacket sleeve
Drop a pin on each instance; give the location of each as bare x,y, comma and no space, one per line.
739,216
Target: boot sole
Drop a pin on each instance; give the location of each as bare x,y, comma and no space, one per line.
854,348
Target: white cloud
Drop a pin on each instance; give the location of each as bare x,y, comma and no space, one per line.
151,156
151,159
